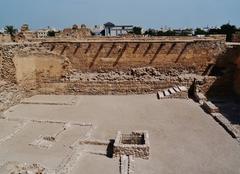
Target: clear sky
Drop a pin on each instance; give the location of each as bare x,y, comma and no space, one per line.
146,13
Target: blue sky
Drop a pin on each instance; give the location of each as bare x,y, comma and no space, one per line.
146,13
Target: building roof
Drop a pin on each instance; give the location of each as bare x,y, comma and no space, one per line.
109,24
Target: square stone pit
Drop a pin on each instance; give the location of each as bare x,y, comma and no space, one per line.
135,144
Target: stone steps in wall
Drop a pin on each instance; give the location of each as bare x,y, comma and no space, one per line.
171,92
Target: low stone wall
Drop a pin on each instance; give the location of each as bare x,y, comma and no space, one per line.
105,88
135,149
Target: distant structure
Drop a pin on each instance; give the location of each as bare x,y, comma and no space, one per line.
24,28
43,33
25,33
117,30
186,31
97,30
76,32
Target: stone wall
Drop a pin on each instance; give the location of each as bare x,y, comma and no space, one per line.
104,55
28,64
115,66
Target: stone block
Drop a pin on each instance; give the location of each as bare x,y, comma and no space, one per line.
210,107
160,95
226,124
176,89
171,90
166,93
182,88
200,97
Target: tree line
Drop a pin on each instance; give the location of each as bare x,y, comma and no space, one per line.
226,29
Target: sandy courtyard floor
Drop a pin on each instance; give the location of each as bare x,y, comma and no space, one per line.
44,133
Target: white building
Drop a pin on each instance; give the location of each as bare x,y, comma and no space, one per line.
42,33
117,30
97,29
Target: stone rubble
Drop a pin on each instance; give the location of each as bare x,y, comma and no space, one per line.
133,74
10,94
19,168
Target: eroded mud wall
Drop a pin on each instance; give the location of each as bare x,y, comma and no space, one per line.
188,55
114,66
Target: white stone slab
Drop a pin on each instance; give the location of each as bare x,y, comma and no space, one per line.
166,93
160,95
176,89
182,88
171,90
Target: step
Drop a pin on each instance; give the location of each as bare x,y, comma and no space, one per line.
172,91
160,95
182,88
176,89
166,93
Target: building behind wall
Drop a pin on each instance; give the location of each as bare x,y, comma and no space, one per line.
117,30
43,33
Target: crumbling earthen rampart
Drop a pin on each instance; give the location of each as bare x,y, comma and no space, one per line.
113,65
96,55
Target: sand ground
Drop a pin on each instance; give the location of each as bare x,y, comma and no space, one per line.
183,138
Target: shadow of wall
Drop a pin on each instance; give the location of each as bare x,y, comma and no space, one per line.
223,77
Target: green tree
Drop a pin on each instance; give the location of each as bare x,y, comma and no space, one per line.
170,33
226,29
151,32
199,31
51,33
137,30
229,30
9,29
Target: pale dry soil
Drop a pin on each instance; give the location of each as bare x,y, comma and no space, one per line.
183,138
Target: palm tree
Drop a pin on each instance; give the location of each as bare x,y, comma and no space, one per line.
9,29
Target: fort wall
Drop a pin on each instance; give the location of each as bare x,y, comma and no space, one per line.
95,55
114,65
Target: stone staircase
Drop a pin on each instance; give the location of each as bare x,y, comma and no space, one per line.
174,92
